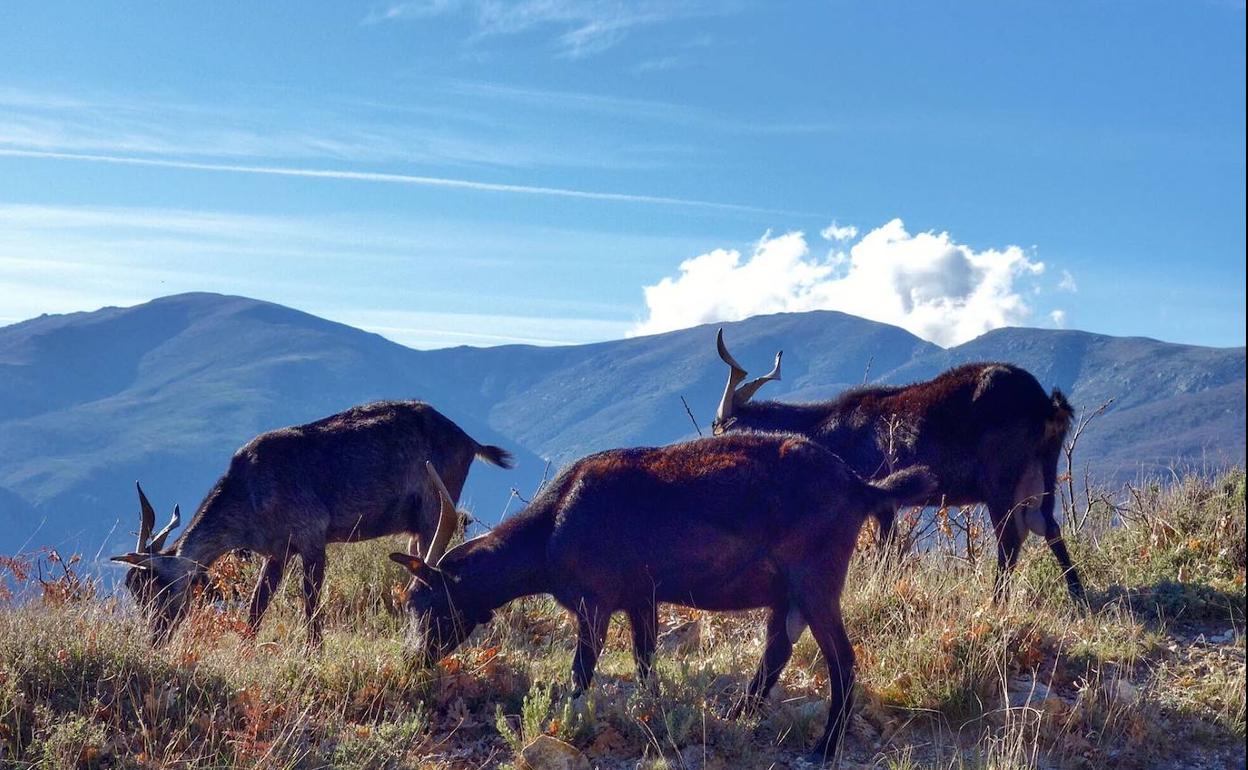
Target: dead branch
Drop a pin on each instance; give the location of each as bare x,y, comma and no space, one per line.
689,412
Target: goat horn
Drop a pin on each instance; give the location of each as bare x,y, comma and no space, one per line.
140,560
735,375
147,519
725,355
158,542
446,519
747,391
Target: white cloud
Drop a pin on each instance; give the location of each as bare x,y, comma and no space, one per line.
163,129
429,122
413,9
583,27
661,64
1058,317
926,283
1068,282
379,177
433,122
839,233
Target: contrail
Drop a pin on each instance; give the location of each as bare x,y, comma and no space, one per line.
388,178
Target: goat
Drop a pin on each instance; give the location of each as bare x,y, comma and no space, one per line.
988,431
733,523
352,476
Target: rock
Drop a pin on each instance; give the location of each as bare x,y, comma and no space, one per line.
861,727
547,753
1225,637
607,742
1027,693
1121,689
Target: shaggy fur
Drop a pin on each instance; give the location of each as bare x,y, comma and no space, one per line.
733,523
352,476
988,431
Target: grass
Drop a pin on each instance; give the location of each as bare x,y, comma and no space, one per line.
1150,675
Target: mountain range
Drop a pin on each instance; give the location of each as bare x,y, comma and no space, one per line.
165,391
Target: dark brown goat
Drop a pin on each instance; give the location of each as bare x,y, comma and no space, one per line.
353,476
988,431
733,523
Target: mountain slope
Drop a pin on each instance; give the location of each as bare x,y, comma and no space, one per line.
165,391
565,402
169,404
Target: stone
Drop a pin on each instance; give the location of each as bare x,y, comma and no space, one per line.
1027,693
1121,689
547,753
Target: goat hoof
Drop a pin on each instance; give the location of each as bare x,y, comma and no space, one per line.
824,752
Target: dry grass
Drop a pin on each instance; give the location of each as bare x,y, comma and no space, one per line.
1147,677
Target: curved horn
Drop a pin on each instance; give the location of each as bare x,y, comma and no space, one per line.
147,519
446,519
735,375
158,542
138,560
747,391
725,355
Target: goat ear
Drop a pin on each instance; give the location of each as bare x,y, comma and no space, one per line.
414,564
139,560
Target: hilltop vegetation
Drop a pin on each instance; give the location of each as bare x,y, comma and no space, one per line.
1151,675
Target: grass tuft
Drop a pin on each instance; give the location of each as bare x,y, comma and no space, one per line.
1149,674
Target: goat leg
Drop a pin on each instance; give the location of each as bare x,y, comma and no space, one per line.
313,577
1009,545
1053,535
775,657
645,624
271,572
884,523
824,615
591,633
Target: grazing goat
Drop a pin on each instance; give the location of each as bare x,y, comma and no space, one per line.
988,431
353,476
733,523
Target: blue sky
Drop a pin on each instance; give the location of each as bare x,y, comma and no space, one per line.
470,172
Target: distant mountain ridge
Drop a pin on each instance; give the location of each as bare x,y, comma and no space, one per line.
165,392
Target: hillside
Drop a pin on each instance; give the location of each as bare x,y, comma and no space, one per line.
1149,677
165,391
565,402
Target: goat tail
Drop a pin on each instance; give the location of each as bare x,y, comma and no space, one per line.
1061,415
495,455
911,486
